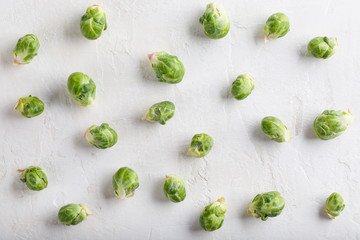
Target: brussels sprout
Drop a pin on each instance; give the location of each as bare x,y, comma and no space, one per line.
200,145
73,214
160,112
215,21
213,215
174,188
34,177
93,22
275,129
331,124
276,26
82,89
242,86
334,205
125,182
266,205
26,49
167,68
29,106
101,136
322,47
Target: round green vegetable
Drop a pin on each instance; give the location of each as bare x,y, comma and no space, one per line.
125,182
331,123
82,89
200,145
215,21
334,205
93,22
26,49
275,129
322,47
266,205
242,86
160,112
276,26
213,215
73,214
34,177
29,106
101,136
167,68
174,188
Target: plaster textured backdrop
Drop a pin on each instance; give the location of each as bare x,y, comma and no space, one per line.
289,85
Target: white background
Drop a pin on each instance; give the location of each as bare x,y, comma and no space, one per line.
243,162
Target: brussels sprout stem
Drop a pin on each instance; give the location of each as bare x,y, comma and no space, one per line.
221,200
17,104
88,212
21,170
287,136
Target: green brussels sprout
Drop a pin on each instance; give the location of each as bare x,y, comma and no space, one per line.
275,129
73,214
334,205
101,136
242,86
266,205
160,112
26,49
125,182
276,26
174,188
215,21
331,124
322,47
93,22
167,68
82,89
213,215
34,178
29,106
200,145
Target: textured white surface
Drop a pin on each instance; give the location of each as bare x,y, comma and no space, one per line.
289,85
